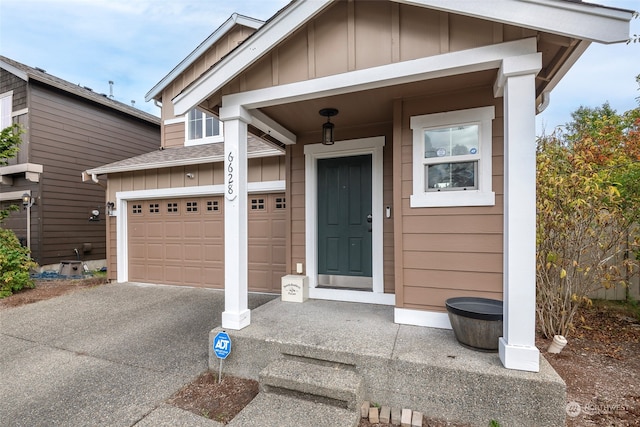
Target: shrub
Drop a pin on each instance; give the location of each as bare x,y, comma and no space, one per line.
15,264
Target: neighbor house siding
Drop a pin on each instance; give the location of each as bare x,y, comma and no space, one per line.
449,251
69,135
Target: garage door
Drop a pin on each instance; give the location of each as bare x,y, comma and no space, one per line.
181,241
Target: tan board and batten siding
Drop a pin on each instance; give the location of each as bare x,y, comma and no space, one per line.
70,136
186,247
430,254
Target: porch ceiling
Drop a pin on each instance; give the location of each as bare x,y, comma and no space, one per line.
370,106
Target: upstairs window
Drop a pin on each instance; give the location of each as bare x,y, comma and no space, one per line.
6,100
202,128
452,158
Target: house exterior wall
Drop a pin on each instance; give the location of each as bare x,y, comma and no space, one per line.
173,135
68,135
444,252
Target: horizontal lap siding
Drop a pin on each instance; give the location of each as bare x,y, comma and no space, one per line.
67,136
450,251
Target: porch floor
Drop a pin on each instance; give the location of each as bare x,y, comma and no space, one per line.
420,368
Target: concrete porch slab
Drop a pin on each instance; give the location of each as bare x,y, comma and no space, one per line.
423,369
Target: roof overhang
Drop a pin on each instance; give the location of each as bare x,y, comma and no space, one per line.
579,20
234,20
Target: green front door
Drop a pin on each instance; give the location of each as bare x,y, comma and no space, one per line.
344,222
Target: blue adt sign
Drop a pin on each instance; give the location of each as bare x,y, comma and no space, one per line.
222,345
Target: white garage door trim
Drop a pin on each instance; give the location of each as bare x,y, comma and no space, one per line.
123,197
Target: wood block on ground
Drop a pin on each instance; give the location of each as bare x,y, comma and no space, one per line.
373,415
416,419
364,409
395,416
405,419
385,414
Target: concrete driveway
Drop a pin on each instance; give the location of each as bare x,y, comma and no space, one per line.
107,356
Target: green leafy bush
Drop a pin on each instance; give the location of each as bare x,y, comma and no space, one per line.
15,263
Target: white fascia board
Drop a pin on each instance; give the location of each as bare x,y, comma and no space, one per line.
273,32
572,19
272,128
21,168
201,49
465,61
13,195
15,71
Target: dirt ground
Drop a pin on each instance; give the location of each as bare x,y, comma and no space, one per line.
601,366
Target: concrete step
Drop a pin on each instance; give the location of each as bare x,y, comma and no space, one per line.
275,410
333,383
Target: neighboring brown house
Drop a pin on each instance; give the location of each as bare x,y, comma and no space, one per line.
68,129
425,192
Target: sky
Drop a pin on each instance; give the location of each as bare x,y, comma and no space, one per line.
135,43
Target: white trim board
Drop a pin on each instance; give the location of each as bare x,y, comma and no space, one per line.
432,319
571,19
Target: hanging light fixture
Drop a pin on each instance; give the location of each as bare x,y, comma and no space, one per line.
327,128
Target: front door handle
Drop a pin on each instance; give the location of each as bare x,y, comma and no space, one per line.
369,220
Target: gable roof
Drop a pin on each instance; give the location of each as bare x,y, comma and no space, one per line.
565,17
235,19
27,73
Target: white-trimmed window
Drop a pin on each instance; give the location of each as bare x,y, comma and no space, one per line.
202,128
452,158
6,106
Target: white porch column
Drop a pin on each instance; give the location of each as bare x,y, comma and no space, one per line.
236,313
516,80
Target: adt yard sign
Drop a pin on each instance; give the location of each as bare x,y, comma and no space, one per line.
222,345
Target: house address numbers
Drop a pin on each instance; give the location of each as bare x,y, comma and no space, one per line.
231,190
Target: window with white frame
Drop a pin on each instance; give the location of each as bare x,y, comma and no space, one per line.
452,158
6,106
202,128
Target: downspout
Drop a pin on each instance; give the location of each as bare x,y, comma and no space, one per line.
94,178
544,102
